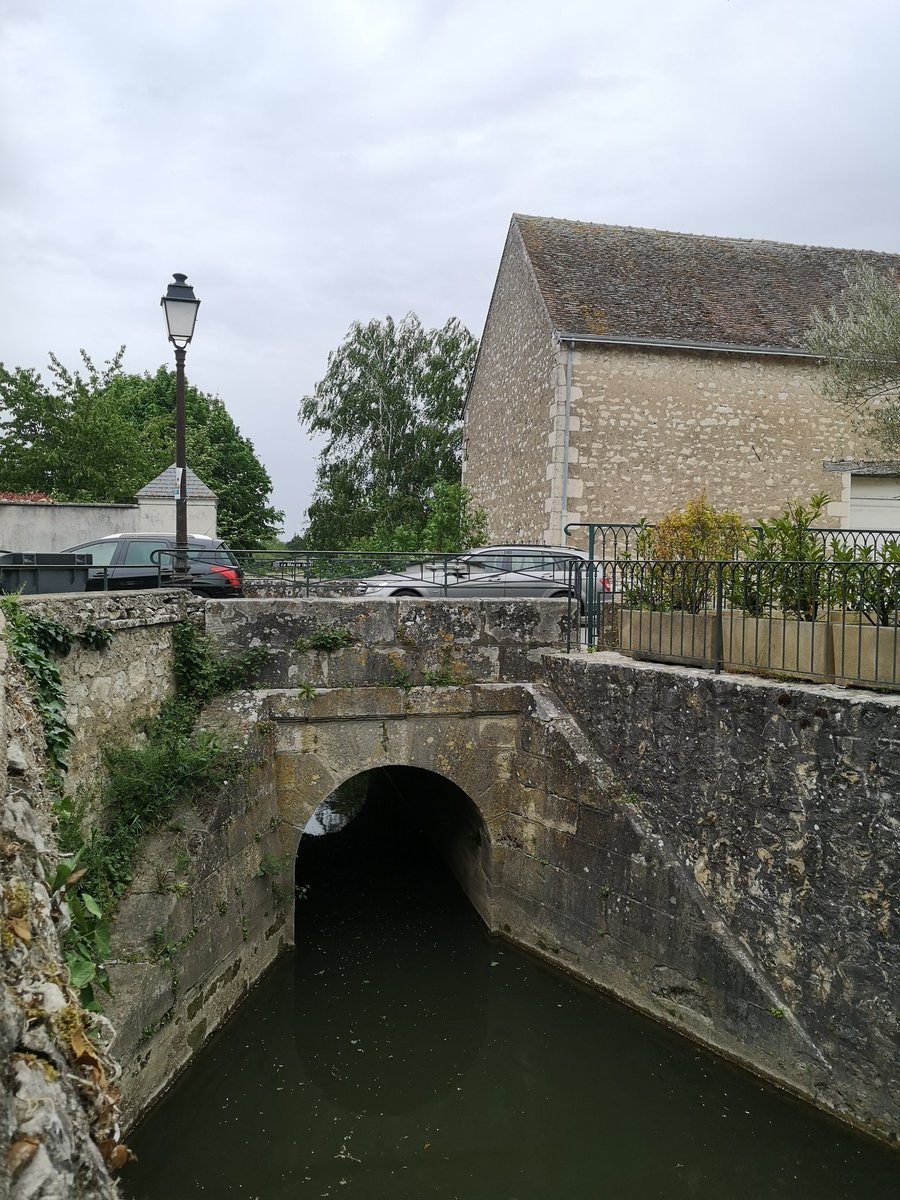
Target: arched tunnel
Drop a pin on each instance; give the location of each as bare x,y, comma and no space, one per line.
391,868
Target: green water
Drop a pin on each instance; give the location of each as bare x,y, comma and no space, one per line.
404,1052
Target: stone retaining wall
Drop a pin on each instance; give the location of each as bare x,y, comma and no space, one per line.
780,803
55,1096
209,909
395,641
109,691
722,852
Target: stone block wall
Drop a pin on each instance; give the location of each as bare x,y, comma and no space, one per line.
511,407
210,908
395,641
651,429
738,860
109,691
56,1102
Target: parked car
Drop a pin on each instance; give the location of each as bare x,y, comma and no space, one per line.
146,560
501,572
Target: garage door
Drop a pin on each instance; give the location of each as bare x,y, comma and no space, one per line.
875,502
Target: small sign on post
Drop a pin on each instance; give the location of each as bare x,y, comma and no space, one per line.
179,471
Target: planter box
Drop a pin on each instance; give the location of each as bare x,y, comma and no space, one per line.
670,637
866,654
775,645
768,645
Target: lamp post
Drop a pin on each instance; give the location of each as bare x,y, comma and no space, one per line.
180,306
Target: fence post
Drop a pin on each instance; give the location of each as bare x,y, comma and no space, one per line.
591,586
718,639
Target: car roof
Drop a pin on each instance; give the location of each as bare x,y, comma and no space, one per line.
139,537
571,550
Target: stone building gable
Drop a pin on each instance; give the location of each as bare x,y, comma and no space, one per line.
510,409
613,280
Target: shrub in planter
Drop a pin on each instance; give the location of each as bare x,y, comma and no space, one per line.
673,568
669,586
868,584
867,648
785,568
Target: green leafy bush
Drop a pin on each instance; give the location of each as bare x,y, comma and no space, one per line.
671,569
786,567
869,583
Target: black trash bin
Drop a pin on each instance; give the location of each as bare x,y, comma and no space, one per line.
21,571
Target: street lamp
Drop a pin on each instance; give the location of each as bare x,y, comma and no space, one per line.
181,306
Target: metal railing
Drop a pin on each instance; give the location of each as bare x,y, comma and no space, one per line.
357,573
826,620
607,541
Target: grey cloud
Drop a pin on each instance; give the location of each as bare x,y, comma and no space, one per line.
311,164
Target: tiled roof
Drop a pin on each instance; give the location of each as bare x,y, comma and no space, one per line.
615,281
164,485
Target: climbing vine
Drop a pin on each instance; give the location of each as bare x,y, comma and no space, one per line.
32,640
140,785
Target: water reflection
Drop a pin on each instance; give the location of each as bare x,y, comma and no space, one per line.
404,1052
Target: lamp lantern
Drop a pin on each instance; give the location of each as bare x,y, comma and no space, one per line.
180,305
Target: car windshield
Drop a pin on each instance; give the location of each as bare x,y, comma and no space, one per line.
101,552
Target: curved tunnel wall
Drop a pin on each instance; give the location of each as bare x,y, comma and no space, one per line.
433,807
466,737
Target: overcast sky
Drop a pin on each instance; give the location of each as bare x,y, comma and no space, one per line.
308,164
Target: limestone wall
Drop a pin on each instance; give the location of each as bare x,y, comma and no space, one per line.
719,851
723,852
110,690
510,411
650,430
210,907
395,641
56,1088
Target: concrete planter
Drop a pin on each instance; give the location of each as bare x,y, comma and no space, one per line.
672,637
866,654
797,649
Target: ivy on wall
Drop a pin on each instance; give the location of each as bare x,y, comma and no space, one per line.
140,784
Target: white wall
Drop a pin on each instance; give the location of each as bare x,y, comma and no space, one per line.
49,527
157,515
52,527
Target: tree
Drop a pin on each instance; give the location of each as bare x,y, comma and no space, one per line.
390,405
100,435
861,347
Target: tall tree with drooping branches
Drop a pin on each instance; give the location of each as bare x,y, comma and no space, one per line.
390,408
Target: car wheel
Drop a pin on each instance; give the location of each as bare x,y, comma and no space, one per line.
568,596
407,592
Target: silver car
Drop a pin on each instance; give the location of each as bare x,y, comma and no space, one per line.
499,572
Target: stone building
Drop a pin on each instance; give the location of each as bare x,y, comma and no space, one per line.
622,371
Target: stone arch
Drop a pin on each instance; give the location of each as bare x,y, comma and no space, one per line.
473,753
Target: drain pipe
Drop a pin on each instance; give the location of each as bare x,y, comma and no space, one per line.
564,500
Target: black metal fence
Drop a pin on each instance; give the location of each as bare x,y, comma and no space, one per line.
610,541
829,620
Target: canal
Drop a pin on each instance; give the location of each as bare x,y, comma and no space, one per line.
404,1052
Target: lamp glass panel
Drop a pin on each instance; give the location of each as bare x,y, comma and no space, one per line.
180,318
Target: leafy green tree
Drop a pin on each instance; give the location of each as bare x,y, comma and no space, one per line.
99,435
390,407
860,344
451,524
68,440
